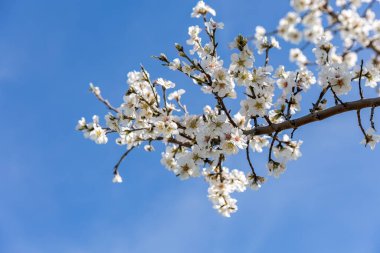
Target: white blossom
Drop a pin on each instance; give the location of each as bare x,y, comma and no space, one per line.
165,83
176,95
272,103
371,138
202,9
175,64
117,178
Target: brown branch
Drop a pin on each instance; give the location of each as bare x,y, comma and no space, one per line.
360,80
150,84
271,146
371,118
292,134
316,116
267,56
224,108
249,162
321,95
104,101
116,167
164,96
220,168
361,126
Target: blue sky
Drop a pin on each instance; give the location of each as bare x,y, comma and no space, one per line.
55,187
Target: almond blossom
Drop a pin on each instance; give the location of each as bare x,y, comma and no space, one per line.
327,40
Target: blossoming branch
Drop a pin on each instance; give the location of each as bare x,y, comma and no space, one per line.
270,97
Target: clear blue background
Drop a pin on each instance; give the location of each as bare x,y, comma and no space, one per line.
56,193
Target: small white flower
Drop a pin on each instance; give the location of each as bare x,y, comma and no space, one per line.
202,9
193,33
117,179
257,143
288,150
94,89
149,148
241,61
276,168
165,83
237,138
98,135
175,64
81,124
255,182
176,94
212,25
338,76
371,138
296,55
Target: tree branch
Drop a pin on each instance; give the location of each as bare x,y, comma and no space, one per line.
116,167
361,125
316,116
360,80
249,162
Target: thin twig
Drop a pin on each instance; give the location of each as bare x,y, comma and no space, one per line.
337,98
361,125
360,80
151,85
224,108
321,95
105,101
372,116
115,169
220,168
292,134
267,56
271,146
249,161
164,96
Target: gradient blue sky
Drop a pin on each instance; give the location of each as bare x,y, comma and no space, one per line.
55,187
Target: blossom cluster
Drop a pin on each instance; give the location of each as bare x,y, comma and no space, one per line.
198,145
